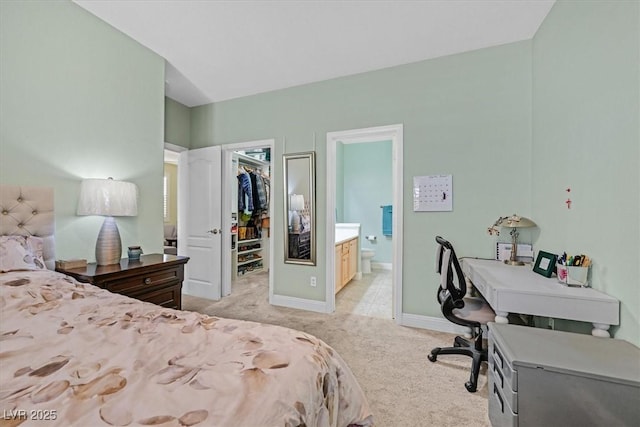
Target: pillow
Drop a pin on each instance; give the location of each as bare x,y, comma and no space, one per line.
36,245
21,253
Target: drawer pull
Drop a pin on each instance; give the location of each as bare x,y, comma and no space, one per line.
496,352
147,281
495,369
497,394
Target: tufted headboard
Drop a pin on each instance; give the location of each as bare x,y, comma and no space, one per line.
28,211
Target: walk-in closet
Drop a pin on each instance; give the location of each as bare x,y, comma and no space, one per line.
250,212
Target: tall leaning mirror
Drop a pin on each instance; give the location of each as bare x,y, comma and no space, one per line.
299,208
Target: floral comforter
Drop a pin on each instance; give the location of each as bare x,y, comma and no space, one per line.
72,354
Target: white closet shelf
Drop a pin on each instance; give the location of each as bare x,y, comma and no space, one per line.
249,261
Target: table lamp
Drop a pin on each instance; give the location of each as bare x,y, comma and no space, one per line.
109,198
296,203
514,222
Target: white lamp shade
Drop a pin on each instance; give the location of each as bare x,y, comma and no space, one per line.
108,197
296,203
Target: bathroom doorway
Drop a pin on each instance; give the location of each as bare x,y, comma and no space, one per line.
364,167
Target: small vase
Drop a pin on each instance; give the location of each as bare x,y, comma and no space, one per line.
134,253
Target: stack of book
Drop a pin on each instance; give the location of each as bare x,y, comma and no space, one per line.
68,264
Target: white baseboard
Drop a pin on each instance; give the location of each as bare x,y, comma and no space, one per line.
299,303
434,323
382,265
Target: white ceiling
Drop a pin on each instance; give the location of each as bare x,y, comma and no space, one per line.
218,50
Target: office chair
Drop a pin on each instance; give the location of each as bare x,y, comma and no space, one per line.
461,310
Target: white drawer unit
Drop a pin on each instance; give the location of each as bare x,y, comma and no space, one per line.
540,377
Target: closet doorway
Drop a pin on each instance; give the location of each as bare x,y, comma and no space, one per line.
247,212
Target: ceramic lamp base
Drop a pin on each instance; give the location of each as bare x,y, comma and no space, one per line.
109,245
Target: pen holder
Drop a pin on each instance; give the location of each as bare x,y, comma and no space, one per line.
573,276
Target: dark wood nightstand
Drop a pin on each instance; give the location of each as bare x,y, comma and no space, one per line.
156,278
300,245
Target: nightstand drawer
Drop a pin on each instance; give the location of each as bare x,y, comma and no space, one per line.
166,297
134,284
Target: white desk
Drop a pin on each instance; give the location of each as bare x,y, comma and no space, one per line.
518,289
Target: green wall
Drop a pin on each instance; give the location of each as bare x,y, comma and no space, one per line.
586,134
367,185
468,115
516,125
80,100
177,123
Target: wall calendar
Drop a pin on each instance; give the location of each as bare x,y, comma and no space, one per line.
433,193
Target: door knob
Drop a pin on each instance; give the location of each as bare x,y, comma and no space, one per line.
214,231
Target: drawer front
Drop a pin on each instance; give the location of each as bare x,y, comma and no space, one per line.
139,283
506,375
496,379
305,238
165,297
500,413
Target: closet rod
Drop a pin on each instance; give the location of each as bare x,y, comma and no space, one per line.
243,158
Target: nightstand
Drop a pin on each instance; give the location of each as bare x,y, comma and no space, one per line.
300,245
156,278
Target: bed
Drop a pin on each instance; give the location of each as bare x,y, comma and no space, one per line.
72,354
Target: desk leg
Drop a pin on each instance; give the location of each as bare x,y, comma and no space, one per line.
501,317
600,330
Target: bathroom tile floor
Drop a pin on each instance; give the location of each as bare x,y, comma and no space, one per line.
369,296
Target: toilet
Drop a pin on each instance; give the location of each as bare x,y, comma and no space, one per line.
366,255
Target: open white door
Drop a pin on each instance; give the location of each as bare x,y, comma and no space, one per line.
199,220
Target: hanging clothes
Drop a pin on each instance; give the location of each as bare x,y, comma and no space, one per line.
254,191
245,193
262,195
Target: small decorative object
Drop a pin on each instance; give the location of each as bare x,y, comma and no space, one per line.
134,253
545,262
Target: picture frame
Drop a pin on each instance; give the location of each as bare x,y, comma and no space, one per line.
545,263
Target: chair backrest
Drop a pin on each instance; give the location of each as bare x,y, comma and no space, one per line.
448,266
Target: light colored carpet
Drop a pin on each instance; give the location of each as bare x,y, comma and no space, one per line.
389,361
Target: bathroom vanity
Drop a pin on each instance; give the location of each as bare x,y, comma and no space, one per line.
346,253
346,262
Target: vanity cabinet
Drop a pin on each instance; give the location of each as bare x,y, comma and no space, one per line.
346,261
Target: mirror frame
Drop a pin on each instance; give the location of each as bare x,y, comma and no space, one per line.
310,157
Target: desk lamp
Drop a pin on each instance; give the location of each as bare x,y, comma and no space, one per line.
514,222
109,198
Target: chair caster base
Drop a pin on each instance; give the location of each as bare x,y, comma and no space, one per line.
433,357
471,388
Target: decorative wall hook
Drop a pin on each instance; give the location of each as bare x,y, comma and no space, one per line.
568,202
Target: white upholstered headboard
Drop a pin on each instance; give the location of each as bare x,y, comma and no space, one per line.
28,211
